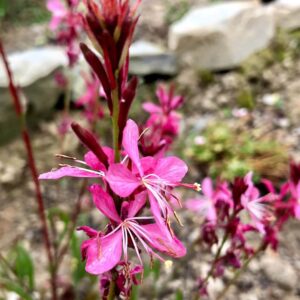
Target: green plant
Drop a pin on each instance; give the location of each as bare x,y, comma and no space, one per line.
176,11
228,151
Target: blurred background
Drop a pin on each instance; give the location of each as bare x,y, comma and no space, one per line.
237,63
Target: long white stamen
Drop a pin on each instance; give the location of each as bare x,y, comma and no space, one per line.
135,247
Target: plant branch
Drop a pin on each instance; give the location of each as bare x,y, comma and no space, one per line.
31,161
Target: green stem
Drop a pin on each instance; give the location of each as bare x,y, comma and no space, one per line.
240,272
112,290
115,122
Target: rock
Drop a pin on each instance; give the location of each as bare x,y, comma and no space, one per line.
292,101
11,170
221,36
287,14
279,271
31,65
33,71
147,58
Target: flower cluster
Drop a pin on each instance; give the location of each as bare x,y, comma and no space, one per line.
162,127
235,213
66,24
134,188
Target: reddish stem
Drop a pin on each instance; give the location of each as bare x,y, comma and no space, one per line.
31,161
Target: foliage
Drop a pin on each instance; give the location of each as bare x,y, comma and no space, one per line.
23,12
228,151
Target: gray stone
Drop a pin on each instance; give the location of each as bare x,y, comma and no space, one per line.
279,271
147,58
221,36
31,65
33,71
287,14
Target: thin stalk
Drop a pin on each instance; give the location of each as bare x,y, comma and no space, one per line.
240,272
112,290
74,219
31,161
115,122
217,256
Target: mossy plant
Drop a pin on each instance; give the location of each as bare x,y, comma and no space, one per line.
228,151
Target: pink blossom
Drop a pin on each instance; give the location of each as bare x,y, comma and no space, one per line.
90,100
59,12
104,251
206,204
256,206
157,176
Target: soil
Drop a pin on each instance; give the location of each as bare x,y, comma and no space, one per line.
206,99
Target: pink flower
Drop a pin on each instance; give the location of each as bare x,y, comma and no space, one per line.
59,12
157,176
295,191
205,205
163,115
90,100
95,161
104,252
256,206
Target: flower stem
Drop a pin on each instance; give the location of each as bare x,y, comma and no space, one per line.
239,272
31,161
115,122
112,290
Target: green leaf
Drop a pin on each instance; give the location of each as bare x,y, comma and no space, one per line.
179,295
2,8
24,266
79,266
16,288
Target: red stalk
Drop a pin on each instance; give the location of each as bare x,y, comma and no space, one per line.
31,161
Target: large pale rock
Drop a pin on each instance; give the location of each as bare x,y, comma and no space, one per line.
287,14
147,58
221,36
279,271
33,71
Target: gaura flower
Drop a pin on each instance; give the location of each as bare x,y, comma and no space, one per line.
206,204
157,176
95,161
256,206
164,116
104,251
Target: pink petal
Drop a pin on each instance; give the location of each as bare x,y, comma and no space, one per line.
297,211
104,254
90,232
148,164
93,162
164,242
131,137
104,203
137,204
68,171
196,204
121,180
207,187
152,108
171,169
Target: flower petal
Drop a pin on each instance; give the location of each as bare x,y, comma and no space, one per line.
207,187
70,172
93,162
104,203
171,169
164,242
137,204
103,254
152,108
131,137
121,180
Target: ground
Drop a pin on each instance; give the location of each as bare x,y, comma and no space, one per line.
208,97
